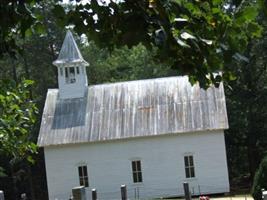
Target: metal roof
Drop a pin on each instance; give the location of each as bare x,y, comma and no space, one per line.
132,109
69,52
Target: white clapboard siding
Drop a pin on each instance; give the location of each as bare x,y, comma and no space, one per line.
109,165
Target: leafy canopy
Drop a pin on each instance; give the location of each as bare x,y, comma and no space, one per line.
197,37
17,20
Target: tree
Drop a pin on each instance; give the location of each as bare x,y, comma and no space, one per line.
17,117
196,37
260,180
247,110
122,64
34,61
16,21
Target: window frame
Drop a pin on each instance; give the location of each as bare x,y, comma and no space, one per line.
189,166
83,175
137,174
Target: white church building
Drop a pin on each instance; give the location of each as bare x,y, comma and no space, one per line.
151,135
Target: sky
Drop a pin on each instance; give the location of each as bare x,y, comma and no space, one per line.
87,1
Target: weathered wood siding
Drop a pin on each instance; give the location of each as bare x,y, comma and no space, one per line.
132,109
109,165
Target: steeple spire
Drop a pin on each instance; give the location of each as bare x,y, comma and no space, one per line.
72,78
69,52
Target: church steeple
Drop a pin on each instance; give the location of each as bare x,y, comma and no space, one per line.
72,77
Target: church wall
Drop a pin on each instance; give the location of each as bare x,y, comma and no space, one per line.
162,162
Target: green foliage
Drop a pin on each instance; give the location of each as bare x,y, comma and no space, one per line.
122,64
197,37
2,173
17,117
260,180
247,110
17,21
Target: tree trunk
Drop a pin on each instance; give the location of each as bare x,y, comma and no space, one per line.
14,71
14,182
252,160
54,58
32,189
27,72
252,124
252,144
50,44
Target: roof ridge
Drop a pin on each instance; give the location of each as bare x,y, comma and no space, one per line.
138,80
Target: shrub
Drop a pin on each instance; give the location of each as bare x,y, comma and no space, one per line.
260,180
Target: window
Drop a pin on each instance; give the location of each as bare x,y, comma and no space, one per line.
189,166
61,71
137,172
77,70
83,175
66,74
70,75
